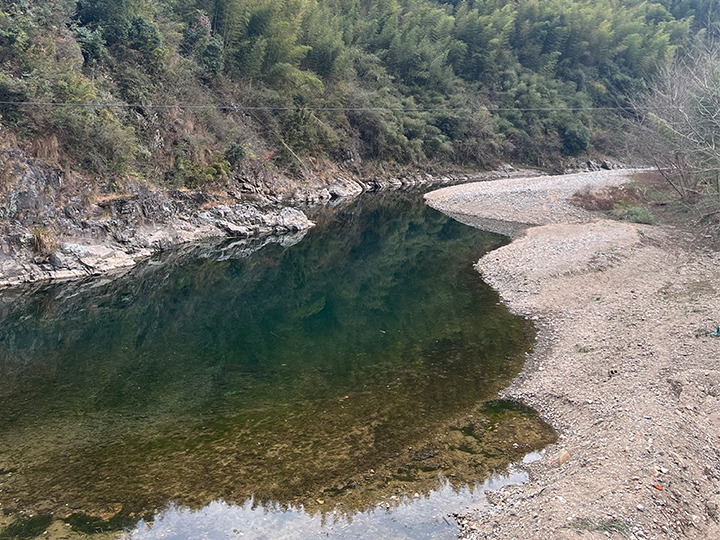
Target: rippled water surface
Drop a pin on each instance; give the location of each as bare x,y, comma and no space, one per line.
308,375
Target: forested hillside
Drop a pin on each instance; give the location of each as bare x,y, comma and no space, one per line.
307,85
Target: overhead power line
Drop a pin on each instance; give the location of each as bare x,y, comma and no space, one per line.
241,108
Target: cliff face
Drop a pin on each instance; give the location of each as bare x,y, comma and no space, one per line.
54,226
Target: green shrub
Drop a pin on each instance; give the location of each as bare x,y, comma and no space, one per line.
12,89
574,135
212,58
193,176
144,36
92,45
98,140
113,17
635,213
235,153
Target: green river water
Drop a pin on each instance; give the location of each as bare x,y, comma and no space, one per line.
267,389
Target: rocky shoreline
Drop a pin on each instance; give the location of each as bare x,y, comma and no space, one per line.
54,226
626,369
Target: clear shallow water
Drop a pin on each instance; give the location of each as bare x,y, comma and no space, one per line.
335,369
410,517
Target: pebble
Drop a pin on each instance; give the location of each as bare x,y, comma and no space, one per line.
563,457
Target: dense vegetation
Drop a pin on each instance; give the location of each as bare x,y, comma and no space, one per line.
359,83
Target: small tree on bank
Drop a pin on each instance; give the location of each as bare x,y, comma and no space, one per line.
682,114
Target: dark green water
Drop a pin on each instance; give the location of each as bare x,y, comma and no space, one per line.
342,369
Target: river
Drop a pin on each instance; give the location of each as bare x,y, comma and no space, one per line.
274,388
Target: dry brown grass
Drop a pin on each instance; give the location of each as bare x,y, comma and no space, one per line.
105,198
7,176
650,177
44,241
605,199
47,149
219,202
325,169
9,168
8,139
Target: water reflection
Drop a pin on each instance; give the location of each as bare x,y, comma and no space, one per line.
409,517
339,369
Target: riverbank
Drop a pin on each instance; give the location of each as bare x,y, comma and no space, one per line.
626,368
57,225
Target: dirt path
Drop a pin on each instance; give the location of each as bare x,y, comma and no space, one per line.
626,368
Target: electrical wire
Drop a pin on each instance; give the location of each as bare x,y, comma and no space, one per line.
330,109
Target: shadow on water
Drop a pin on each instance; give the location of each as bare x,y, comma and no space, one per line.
345,368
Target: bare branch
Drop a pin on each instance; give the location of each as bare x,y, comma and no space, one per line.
686,119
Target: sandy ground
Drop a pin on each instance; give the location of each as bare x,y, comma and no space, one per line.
626,368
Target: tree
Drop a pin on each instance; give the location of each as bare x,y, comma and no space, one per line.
683,111
113,16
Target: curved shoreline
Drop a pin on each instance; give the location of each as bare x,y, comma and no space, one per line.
625,368
52,229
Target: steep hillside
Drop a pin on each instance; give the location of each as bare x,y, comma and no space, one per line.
305,86
273,102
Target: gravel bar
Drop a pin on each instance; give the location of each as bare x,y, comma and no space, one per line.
626,366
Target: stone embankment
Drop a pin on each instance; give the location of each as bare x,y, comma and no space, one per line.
627,366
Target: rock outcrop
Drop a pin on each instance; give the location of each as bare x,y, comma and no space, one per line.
56,227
